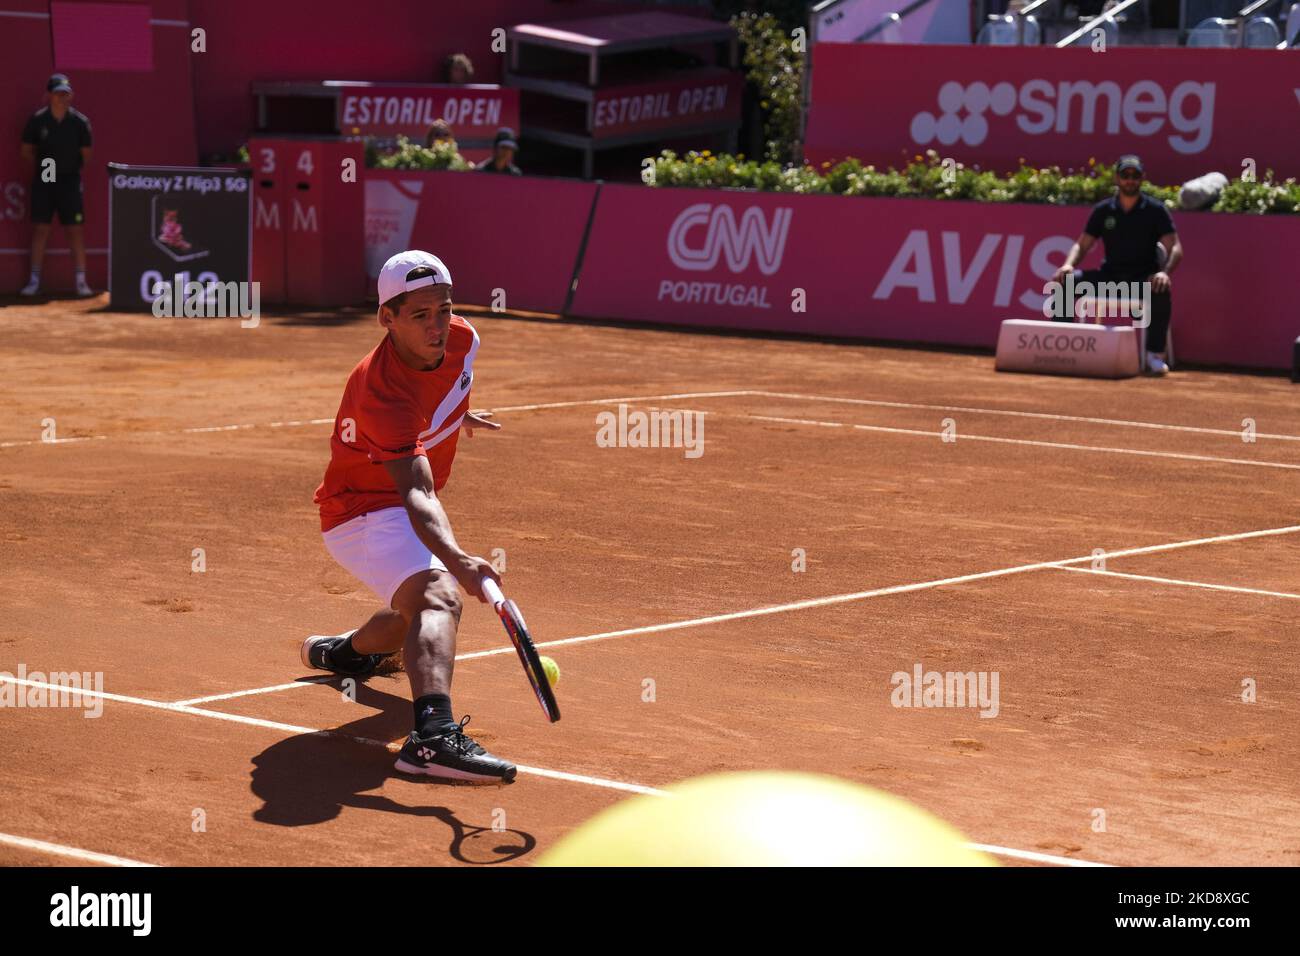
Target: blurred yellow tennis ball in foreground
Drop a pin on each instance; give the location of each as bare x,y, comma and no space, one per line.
765,818
552,669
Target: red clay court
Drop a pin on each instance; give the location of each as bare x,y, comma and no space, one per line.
1115,551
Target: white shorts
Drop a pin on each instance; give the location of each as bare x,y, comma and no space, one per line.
381,550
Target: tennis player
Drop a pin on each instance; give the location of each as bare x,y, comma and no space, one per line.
391,452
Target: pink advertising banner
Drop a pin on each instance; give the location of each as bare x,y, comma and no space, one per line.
909,270
508,240
1201,110
474,112
102,36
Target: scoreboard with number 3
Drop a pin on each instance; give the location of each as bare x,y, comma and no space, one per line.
308,220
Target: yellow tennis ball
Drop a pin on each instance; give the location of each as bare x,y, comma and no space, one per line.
552,669
765,818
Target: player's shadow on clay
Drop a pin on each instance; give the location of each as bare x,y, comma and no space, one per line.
308,778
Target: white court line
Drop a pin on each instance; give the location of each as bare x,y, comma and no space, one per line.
1189,584
290,685
86,856
627,398
881,592
602,782
790,396
296,729
52,441
965,436
197,430
804,605
1235,433
297,423
592,781
1032,855
771,609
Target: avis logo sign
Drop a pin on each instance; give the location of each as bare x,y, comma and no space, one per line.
703,233
1071,107
942,268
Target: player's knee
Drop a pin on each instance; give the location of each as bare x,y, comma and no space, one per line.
433,591
441,596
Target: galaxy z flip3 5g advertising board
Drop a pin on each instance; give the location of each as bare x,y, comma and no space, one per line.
171,227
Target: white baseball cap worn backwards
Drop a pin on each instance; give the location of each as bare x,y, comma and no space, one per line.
393,279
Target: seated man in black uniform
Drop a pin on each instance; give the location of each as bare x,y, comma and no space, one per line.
1131,225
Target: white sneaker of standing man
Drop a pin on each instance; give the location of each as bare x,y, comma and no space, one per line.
1156,364
83,287
32,287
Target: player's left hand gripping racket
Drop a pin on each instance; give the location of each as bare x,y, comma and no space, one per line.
519,636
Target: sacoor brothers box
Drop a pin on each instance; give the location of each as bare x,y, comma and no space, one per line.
1092,351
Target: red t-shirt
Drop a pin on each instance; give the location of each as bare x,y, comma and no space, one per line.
391,411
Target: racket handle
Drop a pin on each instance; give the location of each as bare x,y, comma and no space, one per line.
491,591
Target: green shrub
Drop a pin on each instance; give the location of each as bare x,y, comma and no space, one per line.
408,155
1259,197
932,177
775,69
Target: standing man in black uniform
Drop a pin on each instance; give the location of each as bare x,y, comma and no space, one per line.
56,140
1141,246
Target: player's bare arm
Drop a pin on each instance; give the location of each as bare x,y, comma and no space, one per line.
414,481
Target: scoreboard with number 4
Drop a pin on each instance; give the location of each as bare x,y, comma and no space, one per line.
308,220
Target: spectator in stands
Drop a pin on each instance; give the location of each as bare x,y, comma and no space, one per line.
439,132
458,69
56,141
503,154
1141,245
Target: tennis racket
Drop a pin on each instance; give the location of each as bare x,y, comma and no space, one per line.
523,642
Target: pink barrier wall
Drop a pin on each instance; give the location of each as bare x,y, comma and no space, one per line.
908,270
1201,110
137,116
519,234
